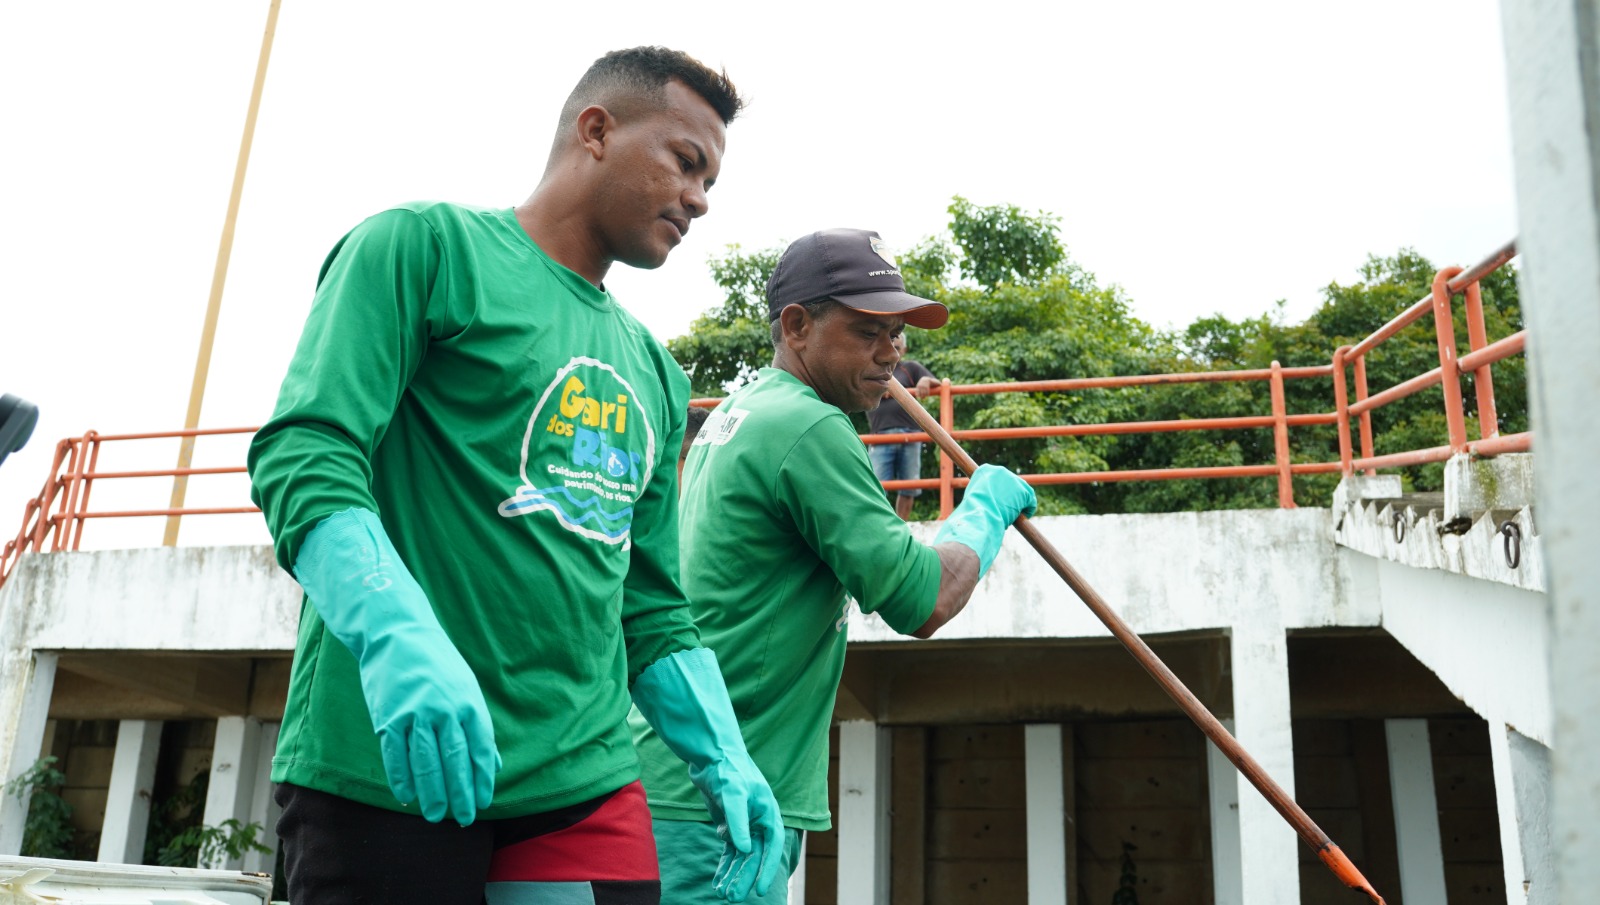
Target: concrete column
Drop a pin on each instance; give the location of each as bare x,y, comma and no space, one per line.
1553,89
263,809
1522,791
1269,858
133,774
864,750
1047,820
797,880
27,679
1416,811
233,778
1223,783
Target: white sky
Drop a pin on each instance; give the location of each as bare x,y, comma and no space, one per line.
1206,157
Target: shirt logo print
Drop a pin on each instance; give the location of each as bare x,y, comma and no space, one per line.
587,454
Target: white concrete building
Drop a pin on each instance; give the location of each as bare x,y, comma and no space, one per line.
1023,753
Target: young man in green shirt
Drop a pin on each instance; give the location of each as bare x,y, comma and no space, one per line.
471,470
783,518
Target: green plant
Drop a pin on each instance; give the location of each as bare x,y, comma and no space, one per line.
212,844
177,838
48,832
172,816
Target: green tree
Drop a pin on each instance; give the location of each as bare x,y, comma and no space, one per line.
728,344
1347,315
1021,309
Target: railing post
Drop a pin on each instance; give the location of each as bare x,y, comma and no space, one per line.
88,484
1449,375
47,495
1280,439
1482,380
1341,410
69,501
947,468
1366,416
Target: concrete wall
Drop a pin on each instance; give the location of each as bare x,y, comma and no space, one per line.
1169,572
1222,596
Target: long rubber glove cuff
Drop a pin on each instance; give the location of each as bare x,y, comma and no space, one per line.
684,698
433,726
994,499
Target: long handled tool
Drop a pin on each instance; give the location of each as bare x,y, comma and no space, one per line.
1174,687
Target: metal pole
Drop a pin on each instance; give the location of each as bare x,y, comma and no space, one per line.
219,276
1449,374
1313,835
1341,407
1280,439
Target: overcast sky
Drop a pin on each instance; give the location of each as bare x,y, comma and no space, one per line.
1205,157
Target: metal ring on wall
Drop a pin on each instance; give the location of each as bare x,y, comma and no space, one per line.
1512,543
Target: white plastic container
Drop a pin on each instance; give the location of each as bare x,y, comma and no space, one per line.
44,881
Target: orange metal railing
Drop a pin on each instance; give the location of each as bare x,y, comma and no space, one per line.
55,519
1449,283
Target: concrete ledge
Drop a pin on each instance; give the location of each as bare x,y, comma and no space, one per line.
165,598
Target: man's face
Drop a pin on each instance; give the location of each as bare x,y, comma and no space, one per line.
851,357
660,164
900,343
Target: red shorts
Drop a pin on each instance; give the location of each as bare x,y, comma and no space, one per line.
339,851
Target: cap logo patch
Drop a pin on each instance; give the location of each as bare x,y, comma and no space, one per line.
882,250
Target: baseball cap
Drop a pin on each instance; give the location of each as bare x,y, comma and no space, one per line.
854,268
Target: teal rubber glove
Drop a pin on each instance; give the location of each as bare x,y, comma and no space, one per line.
994,499
432,723
685,700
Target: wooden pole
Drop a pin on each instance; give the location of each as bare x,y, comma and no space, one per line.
1170,683
219,276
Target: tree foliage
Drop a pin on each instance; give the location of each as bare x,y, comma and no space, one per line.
728,344
1021,309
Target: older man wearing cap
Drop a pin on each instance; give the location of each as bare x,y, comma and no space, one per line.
783,523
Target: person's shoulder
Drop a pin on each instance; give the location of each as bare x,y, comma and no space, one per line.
422,218
782,408
449,216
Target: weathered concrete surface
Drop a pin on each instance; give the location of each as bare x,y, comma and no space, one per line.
190,599
1169,572
1553,91
1488,643
163,598
1473,485
1482,525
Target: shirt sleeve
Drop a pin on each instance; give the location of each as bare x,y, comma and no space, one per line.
374,313
826,488
656,621
919,371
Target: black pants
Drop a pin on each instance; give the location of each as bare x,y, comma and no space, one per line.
338,852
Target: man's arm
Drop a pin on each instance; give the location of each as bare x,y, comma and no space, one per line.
655,613
970,539
375,312
367,332
958,577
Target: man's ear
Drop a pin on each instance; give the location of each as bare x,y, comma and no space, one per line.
796,326
595,125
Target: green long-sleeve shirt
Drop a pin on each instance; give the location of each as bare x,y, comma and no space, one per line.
516,431
782,517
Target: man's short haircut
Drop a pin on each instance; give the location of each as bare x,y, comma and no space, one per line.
626,82
816,310
691,427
